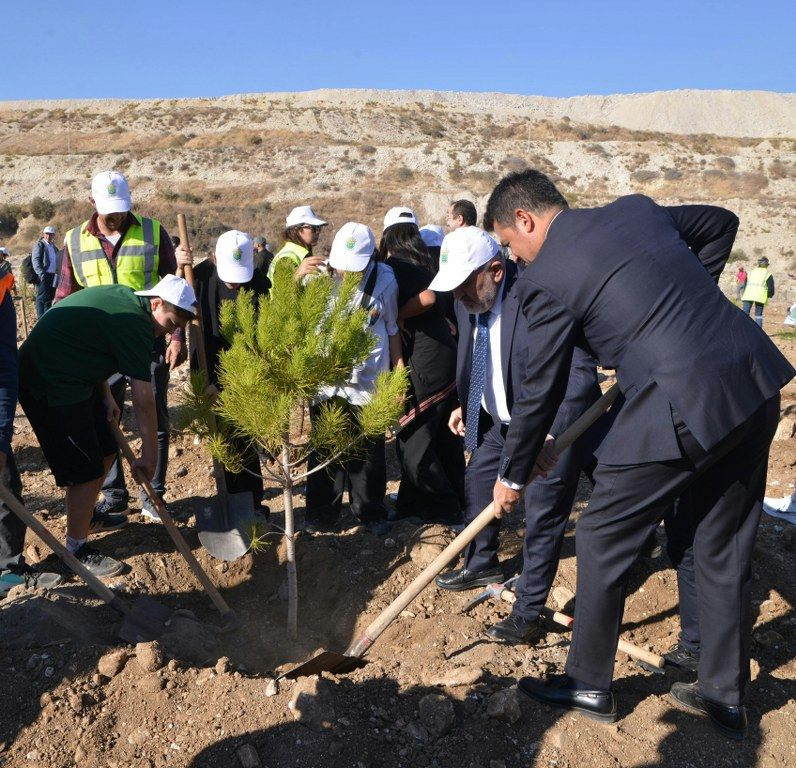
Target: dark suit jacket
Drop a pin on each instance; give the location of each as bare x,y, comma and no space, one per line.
635,283
515,352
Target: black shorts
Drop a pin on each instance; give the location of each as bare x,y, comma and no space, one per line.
74,438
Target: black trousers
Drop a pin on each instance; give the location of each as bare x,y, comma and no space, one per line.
114,487
243,482
363,475
432,466
726,487
45,292
548,502
12,529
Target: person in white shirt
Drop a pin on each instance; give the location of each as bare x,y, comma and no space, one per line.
44,260
490,367
365,474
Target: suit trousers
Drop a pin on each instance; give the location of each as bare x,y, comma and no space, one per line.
548,502
114,487
432,466
45,292
363,475
726,487
12,529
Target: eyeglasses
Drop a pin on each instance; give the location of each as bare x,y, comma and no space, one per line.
314,227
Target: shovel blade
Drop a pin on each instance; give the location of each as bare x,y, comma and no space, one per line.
326,661
227,536
145,621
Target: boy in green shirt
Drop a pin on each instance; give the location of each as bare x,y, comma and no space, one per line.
63,389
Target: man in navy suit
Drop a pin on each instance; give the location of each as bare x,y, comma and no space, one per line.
491,361
635,283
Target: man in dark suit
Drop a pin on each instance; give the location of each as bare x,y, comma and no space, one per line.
635,283
491,361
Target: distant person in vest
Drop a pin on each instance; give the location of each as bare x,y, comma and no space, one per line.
118,246
302,230
759,289
741,276
44,260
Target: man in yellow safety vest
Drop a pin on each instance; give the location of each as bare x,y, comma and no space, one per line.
759,289
117,246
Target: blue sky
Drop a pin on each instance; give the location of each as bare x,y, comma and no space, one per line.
173,48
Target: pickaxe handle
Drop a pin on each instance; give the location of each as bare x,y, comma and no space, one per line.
178,539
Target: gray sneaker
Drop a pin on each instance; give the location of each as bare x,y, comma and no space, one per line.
26,576
100,565
105,521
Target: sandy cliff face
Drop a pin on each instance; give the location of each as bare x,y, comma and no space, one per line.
244,160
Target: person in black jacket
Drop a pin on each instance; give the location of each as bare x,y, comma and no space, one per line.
431,458
221,279
636,283
492,357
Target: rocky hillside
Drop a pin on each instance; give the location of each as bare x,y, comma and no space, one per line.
243,161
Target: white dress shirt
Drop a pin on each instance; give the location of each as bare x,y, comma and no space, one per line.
493,400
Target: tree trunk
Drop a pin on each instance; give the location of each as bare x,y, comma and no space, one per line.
290,547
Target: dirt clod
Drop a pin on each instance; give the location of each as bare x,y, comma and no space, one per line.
112,663
149,656
312,702
436,714
504,705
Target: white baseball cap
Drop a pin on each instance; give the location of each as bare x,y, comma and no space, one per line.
462,252
432,235
175,290
235,257
111,192
303,214
4,250
399,215
49,230
352,247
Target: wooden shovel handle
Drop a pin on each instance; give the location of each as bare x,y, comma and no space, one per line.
172,529
366,638
102,591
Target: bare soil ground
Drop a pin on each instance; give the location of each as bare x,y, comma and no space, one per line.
72,694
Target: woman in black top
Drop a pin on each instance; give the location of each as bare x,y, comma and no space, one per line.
431,457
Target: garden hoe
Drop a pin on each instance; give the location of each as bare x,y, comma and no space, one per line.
330,661
224,529
144,618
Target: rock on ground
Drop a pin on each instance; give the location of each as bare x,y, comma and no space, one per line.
436,714
150,657
504,705
312,703
112,663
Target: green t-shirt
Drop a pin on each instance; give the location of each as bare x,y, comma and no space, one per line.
84,339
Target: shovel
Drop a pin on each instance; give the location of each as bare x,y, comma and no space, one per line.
330,661
144,618
226,612
223,529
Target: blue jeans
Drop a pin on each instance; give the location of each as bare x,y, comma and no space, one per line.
747,306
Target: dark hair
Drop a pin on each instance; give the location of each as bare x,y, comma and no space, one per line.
175,241
404,239
292,235
183,314
529,190
466,210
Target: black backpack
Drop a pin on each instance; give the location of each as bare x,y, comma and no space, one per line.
28,272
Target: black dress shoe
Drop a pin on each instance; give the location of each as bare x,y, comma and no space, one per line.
464,579
682,658
729,720
557,691
515,629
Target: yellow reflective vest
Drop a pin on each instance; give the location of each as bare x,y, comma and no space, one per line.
291,251
757,286
136,259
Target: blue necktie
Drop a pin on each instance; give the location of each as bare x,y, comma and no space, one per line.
477,380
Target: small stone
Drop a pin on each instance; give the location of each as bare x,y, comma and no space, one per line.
248,756
223,665
754,669
271,687
436,714
389,543
504,705
139,737
32,755
112,663
458,677
182,472
49,671
786,429
149,656
205,676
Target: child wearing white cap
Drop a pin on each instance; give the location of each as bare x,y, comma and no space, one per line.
218,279
302,230
365,474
